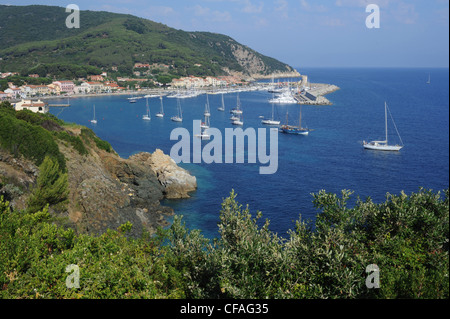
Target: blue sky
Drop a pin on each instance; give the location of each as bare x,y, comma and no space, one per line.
306,33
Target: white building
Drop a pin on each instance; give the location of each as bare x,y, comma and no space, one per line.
34,106
84,88
14,93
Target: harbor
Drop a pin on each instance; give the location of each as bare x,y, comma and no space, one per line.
301,92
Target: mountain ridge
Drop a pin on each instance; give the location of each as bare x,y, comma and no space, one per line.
36,35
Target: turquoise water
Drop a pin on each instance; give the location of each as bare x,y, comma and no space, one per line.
330,158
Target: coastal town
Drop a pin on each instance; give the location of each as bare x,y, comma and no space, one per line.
103,83
29,96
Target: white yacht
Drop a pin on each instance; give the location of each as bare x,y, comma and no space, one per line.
179,116
384,145
161,111
146,117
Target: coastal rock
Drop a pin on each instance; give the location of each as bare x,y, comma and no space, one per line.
107,191
17,176
177,182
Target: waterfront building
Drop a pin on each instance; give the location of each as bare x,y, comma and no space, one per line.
65,86
33,106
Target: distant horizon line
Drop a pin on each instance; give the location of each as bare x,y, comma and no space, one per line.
370,67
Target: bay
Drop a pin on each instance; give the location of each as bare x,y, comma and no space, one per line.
330,158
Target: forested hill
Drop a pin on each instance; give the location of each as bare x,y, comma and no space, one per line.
32,36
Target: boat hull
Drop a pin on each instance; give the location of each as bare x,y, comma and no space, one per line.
294,130
270,122
204,137
380,147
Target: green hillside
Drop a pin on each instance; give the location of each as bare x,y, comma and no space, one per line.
33,36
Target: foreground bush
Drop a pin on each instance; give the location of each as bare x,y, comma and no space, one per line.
406,237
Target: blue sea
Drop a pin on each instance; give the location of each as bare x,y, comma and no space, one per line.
330,158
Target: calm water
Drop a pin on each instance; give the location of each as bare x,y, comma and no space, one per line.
330,158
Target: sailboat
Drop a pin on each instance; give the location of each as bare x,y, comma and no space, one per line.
206,123
239,121
132,99
147,117
161,112
271,121
207,108
237,109
384,145
94,121
222,108
203,133
429,79
292,129
179,117
236,118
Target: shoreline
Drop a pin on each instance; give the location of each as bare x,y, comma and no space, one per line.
316,93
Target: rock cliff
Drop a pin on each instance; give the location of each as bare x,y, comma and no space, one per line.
106,191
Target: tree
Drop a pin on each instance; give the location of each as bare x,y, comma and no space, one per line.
164,79
51,188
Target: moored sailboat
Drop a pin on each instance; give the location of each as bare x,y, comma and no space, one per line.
161,111
272,120
222,108
292,129
146,117
384,145
179,116
94,121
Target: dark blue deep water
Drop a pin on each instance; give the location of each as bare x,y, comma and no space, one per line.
330,158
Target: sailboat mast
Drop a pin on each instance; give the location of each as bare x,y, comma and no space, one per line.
300,119
385,116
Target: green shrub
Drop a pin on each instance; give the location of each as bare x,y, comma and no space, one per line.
75,141
87,135
34,254
22,138
406,236
51,188
39,119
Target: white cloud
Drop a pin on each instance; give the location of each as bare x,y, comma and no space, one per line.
249,7
282,8
306,6
212,16
406,13
362,3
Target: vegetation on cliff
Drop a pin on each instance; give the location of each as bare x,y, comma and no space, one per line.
406,237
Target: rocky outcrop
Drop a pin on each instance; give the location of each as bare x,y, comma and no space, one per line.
255,66
17,176
105,191
276,75
177,182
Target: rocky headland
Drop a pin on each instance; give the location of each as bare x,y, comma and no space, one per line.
105,190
